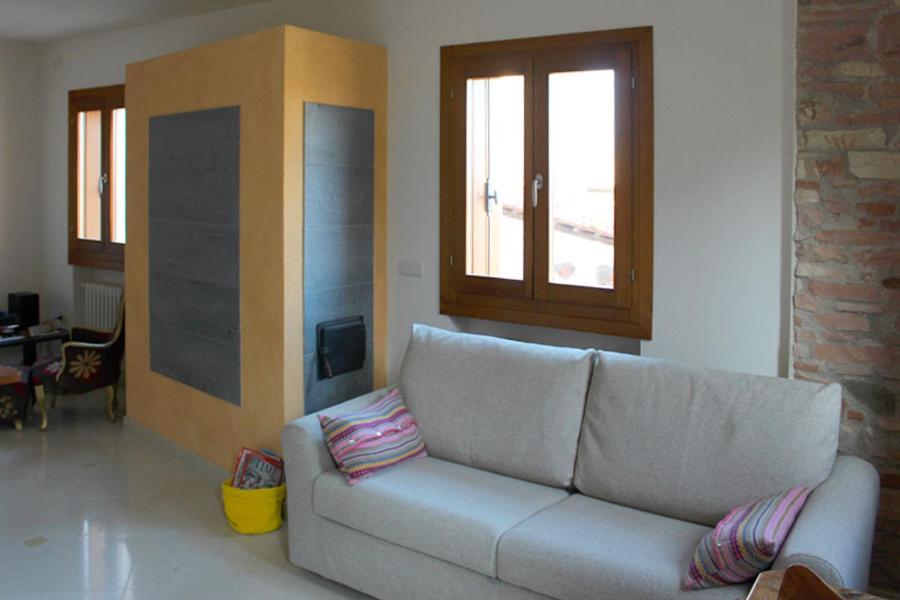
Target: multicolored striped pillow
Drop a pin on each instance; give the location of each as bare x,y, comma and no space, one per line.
374,438
745,542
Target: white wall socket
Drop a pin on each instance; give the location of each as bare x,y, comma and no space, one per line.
409,268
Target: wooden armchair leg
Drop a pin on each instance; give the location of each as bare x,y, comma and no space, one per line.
39,394
112,402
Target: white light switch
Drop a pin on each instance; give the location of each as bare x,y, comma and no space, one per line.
409,268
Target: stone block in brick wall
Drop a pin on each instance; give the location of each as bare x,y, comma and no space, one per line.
860,69
812,111
872,396
833,335
890,103
809,185
831,253
844,291
859,307
860,139
806,302
889,424
853,237
840,90
877,209
889,37
867,117
815,252
831,167
880,189
828,15
820,271
843,321
887,259
884,90
805,366
838,206
888,225
805,196
855,415
849,353
844,182
875,165
810,216
830,45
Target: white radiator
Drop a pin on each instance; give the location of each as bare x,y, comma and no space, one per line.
101,305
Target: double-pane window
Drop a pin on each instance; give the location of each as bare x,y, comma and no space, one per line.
547,181
97,177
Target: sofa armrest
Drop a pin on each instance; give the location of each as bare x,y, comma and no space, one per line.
833,534
305,454
305,458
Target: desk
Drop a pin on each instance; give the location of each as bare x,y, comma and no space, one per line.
29,342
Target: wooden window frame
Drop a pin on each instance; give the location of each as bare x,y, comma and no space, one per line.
625,310
102,254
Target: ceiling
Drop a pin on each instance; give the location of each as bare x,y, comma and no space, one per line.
44,21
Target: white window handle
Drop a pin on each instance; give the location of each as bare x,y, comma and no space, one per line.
536,184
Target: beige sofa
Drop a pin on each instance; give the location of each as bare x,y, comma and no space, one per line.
573,474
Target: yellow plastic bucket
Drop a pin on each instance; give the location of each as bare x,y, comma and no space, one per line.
253,511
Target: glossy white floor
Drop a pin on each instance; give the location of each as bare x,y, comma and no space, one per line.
90,509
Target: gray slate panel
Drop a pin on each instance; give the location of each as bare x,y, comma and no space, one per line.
337,256
335,303
322,393
339,158
338,196
194,248
207,309
338,136
197,361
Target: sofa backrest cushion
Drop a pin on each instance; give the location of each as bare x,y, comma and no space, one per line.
693,443
508,407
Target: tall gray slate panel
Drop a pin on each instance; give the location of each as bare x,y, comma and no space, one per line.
338,220
194,250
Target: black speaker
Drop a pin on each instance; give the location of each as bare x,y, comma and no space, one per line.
341,346
27,306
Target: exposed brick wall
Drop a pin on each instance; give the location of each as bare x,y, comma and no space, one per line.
847,200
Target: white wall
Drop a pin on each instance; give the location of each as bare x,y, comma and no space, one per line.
723,114
20,215
721,105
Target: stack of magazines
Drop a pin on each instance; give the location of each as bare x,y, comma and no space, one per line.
257,469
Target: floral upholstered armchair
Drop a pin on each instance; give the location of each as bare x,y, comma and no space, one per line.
91,361
14,394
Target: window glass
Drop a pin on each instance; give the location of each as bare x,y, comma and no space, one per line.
89,167
495,138
117,177
581,178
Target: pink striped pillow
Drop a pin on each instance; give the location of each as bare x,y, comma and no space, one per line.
374,438
745,542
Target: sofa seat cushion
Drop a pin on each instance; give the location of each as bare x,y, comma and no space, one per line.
692,443
442,509
504,406
583,548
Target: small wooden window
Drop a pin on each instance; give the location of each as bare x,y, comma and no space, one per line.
547,181
97,177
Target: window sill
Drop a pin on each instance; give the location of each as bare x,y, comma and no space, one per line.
112,260
618,322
